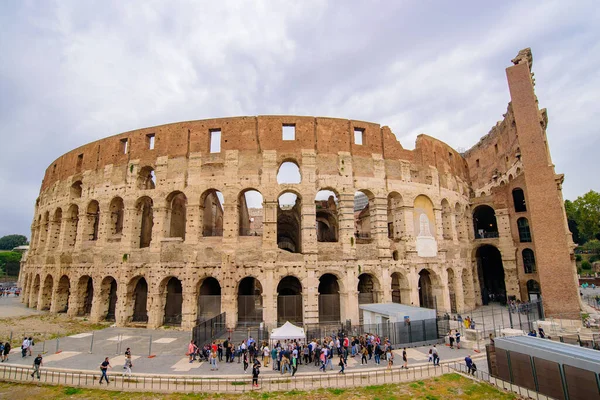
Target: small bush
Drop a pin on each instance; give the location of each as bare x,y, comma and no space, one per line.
578,258
594,258
586,265
70,391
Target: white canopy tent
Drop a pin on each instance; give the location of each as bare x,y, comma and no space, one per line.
288,331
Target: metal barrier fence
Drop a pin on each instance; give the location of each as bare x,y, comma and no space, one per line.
207,331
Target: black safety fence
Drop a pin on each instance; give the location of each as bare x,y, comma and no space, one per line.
208,330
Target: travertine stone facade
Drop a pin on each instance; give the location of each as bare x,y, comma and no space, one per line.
150,226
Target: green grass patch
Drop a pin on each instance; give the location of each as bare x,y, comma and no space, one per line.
71,391
336,392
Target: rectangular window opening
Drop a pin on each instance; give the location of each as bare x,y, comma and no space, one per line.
124,145
79,161
477,162
496,148
288,132
358,136
215,141
150,141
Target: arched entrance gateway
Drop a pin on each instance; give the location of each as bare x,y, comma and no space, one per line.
209,299
329,299
289,301
140,300
534,292
173,301
250,303
426,296
108,294
491,274
62,295
400,289
85,291
367,292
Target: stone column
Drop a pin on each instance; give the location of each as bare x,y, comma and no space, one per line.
308,231
159,227
270,297
81,227
124,306
62,231
379,226
270,224
193,222
439,225
310,297
229,305
346,225
413,280
130,238
156,307
54,301
453,230
459,294
74,300
98,302
351,285
189,306
444,302
385,295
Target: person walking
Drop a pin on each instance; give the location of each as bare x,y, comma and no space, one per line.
342,364
6,351
215,357
127,367
436,357
37,364
192,348
471,368
245,362
451,339
389,355
31,344
104,368
364,353
24,347
294,365
404,359
255,373
457,339
266,354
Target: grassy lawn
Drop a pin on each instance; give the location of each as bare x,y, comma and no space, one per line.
450,386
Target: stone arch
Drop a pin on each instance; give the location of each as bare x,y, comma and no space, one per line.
524,231
92,221
430,288
212,210
209,298
490,271
364,202
117,215
85,295
446,220
289,222
326,215
171,294
510,177
137,290
45,299
519,200
250,301
71,226
289,172
528,261
35,291
395,216
250,213
144,221
108,298
400,288
289,300
329,298
61,297
368,287
484,222
176,214
76,190
54,231
146,179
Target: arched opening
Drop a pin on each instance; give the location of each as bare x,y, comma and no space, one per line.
329,299
46,297
427,298
289,300
491,274
140,300
288,172
528,261
108,296
92,221
326,208
54,234
395,216
524,232
534,291
209,299
452,289
144,221
117,214
400,289
446,220
76,190
484,222
71,226
289,221
519,200
367,292
35,292
62,294
146,178
250,302
250,212
212,215
177,204
363,204
173,292
85,294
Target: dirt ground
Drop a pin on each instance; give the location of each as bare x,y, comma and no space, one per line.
21,321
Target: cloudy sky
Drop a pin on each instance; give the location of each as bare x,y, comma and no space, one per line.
75,71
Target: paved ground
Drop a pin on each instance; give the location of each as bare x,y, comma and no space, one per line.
168,348
11,306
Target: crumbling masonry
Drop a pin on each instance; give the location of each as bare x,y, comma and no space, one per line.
180,222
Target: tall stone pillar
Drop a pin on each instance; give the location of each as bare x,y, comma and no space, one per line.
97,302
310,296
346,225
379,222
413,279
189,307
156,307
459,291
159,227
270,296
124,306
351,284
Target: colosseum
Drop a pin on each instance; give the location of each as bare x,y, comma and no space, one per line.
275,218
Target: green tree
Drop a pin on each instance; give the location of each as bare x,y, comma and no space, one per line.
583,216
593,246
9,242
572,221
10,263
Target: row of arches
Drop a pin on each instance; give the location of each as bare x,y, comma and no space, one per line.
85,225
86,295
486,226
